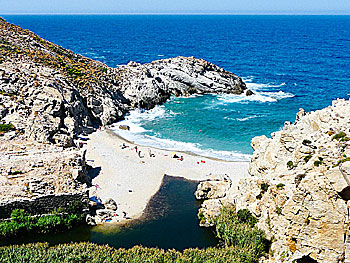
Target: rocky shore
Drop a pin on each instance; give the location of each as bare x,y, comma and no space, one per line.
50,95
298,189
53,94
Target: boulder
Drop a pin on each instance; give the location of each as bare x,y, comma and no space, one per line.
111,204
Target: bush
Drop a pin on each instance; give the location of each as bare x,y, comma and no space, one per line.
306,142
22,223
278,210
346,159
280,186
92,253
244,216
6,127
264,187
232,231
339,136
307,158
290,165
317,163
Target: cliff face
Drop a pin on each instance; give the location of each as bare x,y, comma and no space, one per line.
299,186
51,93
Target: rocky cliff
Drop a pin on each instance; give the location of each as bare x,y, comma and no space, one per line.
48,95
51,93
299,187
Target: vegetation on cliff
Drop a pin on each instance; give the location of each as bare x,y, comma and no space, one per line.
6,127
241,242
20,43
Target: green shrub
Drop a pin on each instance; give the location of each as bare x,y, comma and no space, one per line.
347,159
280,186
233,232
264,187
278,210
306,142
246,217
339,136
6,127
92,253
290,165
307,158
317,163
22,223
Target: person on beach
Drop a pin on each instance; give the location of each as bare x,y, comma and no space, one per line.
150,153
136,148
181,158
124,146
139,154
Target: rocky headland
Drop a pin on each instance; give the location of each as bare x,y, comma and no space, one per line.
299,188
49,95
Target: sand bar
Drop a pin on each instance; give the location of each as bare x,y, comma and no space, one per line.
131,181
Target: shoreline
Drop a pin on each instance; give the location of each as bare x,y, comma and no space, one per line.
111,132
132,181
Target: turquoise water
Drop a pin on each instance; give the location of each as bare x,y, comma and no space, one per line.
289,61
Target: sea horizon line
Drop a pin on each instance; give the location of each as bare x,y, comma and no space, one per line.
190,14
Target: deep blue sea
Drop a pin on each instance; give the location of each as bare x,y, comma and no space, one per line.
288,61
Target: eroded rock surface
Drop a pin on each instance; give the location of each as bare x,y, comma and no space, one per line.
52,94
32,174
299,186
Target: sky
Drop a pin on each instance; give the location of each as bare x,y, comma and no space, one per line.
175,6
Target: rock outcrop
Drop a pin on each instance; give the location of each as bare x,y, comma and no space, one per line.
52,94
40,177
299,187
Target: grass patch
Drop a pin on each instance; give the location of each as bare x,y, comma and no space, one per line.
22,224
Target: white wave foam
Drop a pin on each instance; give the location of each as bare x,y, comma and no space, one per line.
255,86
243,119
138,135
172,145
261,93
135,117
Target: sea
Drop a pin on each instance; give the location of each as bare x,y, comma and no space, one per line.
289,62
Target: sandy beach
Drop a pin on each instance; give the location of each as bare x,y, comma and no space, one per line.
131,181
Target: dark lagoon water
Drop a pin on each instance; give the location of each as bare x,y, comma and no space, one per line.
288,61
170,221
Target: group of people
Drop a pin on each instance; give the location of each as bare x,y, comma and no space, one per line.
174,155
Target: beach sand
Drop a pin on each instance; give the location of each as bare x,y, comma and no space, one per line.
131,181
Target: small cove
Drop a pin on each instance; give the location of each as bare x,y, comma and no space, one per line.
170,221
